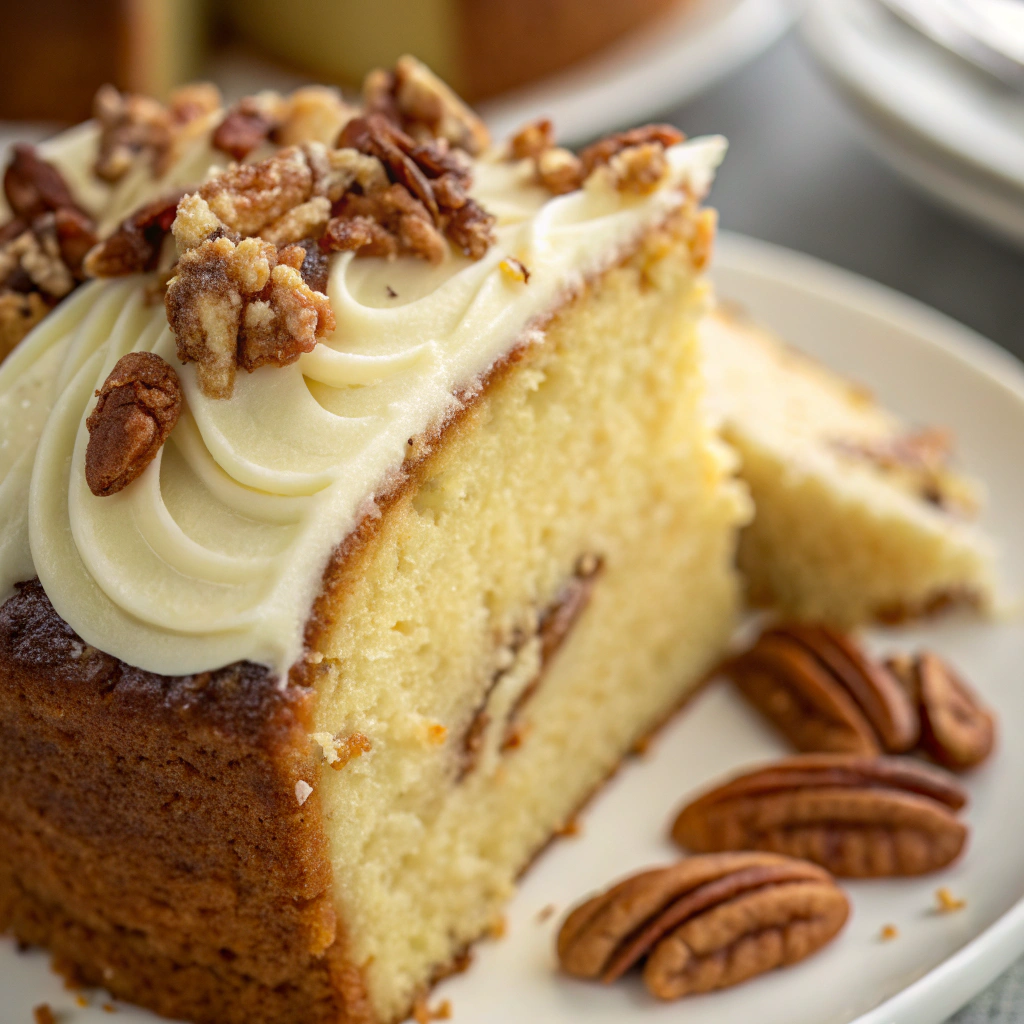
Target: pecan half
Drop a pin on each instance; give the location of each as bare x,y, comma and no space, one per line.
823,692
859,817
139,404
957,730
705,923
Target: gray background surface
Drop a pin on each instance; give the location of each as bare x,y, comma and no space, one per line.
799,174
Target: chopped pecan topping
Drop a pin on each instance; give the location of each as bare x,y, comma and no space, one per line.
42,246
604,150
33,186
238,303
559,170
705,923
136,128
859,817
138,405
418,102
957,730
823,692
136,244
246,126
19,313
532,139
436,202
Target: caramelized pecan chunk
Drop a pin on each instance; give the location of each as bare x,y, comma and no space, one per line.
42,246
238,303
134,128
824,693
246,126
532,139
33,186
856,816
419,103
436,202
139,404
633,161
603,151
705,923
957,730
136,244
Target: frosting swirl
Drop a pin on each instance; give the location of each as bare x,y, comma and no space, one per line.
216,552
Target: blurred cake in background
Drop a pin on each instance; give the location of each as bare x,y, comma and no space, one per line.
481,46
57,53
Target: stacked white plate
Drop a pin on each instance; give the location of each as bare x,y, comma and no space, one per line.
952,130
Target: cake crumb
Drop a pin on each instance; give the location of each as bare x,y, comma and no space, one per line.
42,1014
347,748
436,733
571,828
109,1008
515,269
498,928
947,902
424,1014
302,791
889,932
81,1001
545,913
642,745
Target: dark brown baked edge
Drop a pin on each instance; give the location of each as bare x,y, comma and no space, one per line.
150,833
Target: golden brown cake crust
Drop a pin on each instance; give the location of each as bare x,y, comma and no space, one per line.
149,830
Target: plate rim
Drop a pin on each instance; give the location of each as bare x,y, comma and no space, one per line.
954,981
745,29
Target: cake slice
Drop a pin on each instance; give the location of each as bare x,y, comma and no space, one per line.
358,516
857,516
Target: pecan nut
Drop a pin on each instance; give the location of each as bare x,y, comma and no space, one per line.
824,693
859,817
139,404
135,245
705,923
957,730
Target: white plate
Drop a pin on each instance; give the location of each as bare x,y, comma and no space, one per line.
932,370
942,125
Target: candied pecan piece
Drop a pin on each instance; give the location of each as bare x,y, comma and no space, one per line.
314,113
284,320
705,923
957,730
246,126
307,220
33,260
313,264
602,151
358,233
232,305
130,126
248,197
75,237
415,99
135,245
139,404
19,313
33,186
532,139
559,170
859,817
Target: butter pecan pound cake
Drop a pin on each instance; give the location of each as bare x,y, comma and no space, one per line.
857,516
359,508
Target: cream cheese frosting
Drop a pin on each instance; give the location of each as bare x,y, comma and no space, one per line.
216,552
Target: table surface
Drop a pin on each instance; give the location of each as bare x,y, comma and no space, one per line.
798,174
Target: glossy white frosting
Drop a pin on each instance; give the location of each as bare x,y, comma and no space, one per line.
216,552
